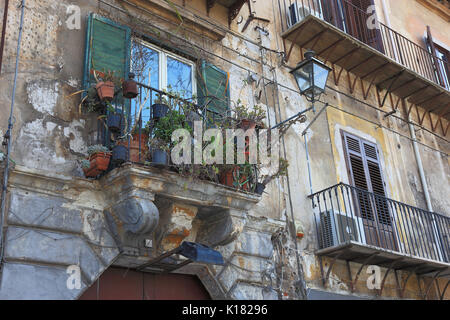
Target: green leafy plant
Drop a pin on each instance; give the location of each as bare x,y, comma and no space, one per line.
256,114
85,164
98,148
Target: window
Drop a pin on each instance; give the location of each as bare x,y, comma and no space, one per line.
369,194
162,70
440,57
443,57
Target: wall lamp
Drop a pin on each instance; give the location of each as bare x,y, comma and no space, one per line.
311,76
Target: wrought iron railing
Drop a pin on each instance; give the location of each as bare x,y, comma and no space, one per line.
138,124
344,213
137,120
356,22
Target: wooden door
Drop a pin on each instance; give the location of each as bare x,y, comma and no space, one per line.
126,284
369,194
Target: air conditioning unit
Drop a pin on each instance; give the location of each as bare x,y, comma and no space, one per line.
336,228
299,12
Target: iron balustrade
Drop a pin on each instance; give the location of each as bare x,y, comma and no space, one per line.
137,115
344,213
354,21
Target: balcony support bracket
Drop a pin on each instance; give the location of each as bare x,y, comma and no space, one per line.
333,261
443,291
391,267
427,290
365,263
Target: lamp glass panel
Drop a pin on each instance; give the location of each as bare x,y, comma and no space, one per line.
320,77
303,77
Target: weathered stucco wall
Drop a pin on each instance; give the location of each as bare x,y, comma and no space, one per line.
51,136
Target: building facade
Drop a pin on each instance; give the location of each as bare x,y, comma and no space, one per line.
362,213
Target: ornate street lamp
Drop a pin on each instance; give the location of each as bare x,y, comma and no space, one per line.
311,76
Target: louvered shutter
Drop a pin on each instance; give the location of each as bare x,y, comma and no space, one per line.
357,174
432,48
213,90
108,46
365,174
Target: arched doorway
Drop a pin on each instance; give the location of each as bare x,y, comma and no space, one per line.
126,284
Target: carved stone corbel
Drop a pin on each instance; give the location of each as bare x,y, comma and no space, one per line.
133,217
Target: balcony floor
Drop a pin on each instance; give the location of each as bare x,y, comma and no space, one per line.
359,253
340,48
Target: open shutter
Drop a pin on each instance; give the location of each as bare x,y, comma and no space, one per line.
365,173
436,64
357,174
107,49
213,90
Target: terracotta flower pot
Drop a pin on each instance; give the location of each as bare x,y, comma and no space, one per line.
105,90
137,154
226,177
99,163
130,89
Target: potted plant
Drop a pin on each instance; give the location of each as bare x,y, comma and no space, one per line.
248,119
98,157
129,87
282,171
160,107
138,145
119,154
106,86
159,152
114,120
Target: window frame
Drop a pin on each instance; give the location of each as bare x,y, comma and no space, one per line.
162,64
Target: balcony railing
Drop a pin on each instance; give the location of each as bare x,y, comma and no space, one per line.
345,214
355,22
137,130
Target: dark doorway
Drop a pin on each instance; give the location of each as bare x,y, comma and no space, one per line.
126,284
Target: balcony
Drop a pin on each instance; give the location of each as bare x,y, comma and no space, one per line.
338,31
355,225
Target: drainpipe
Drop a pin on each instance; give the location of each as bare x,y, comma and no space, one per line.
419,165
2,43
7,137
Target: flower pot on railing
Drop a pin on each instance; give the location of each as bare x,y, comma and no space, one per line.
119,155
114,122
99,162
159,111
138,147
227,178
160,158
105,90
130,88
232,178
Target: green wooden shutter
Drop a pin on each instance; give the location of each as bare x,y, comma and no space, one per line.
108,46
213,90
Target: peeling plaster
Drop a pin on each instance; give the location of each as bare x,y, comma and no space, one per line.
43,95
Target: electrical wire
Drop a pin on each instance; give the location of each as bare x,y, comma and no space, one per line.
293,90
8,135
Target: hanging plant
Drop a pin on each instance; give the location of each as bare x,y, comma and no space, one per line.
98,158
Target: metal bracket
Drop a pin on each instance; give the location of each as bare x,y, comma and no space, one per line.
366,262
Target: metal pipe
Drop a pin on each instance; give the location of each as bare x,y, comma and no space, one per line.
2,43
420,165
9,134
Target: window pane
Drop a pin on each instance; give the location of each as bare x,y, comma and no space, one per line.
179,77
145,65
